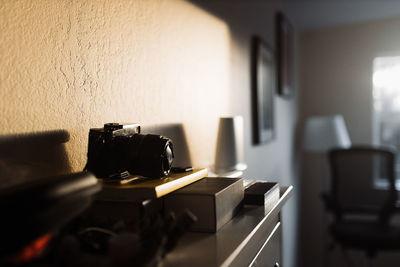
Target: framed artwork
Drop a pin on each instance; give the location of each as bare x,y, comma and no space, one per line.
263,87
285,55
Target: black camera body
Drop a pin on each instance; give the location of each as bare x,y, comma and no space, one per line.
120,148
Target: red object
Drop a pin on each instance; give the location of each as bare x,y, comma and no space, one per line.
33,249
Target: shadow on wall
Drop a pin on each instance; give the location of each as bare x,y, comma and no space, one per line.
24,157
30,156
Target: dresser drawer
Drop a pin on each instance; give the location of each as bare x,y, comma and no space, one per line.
270,253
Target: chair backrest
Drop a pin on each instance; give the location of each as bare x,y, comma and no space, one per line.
363,181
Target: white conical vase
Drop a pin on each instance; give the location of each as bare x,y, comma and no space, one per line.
229,151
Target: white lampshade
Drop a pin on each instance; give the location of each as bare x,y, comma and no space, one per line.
324,133
229,151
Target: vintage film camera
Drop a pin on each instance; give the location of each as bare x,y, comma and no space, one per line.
120,148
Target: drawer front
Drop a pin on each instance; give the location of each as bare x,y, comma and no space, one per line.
270,253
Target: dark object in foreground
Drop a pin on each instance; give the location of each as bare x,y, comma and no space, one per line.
34,211
41,227
117,149
118,244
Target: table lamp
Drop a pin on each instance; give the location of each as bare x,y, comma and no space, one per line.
323,133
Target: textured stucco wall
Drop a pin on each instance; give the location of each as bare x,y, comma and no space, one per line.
74,65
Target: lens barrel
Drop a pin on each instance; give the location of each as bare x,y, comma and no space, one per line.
149,155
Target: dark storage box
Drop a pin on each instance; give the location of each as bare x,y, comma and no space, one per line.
214,201
262,194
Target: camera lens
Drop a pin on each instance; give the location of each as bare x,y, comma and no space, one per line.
169,156
149,155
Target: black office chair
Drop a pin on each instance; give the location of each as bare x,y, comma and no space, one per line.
363,198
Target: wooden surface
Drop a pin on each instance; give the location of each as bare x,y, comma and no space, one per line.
235,244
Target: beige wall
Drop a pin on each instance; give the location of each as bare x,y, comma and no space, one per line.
336,78
76,64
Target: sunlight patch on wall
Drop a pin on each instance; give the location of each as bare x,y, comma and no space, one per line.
77,64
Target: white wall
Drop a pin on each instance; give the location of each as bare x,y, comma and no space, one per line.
274,161
336,77
337,71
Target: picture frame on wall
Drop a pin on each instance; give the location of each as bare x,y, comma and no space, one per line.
263,88
285,55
